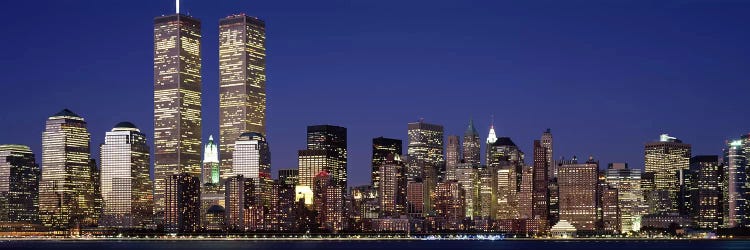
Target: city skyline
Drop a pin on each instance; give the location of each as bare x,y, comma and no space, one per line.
287,127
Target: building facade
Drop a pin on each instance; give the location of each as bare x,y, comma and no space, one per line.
67,196
19,187
242,82
177,101
126,187
664,159
578,184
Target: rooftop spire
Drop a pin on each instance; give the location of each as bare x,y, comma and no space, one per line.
471,130
492,138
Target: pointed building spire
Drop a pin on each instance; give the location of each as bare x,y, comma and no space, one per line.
471,130
492,138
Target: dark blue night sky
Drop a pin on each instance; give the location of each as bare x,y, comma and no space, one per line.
605,76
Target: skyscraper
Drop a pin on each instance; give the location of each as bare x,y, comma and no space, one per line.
242,82
541,205
736,187
127,190
392,188
381,148
210,172
239,200
449,205
452,156
665,158
577,184
547,144
177,101
707,191
66,194
252,159
425,148
182,203
627,181
19,186
471,148
331,139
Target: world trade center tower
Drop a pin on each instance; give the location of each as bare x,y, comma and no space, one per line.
177,101
242,83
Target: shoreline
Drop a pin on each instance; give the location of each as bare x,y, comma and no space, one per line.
363,239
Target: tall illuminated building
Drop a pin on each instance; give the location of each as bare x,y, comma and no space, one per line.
706,191
471,147
577,183
425,149
467,176
526,193
736,186
547,144
182,203
252,159
381,148
19,186
331,139
210,172
450,206
127,190
507,193
66,193
541,192
242,82
177,101
627,181
665,158
239,200
452,156
392,189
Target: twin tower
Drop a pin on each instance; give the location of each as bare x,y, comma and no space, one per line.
178,85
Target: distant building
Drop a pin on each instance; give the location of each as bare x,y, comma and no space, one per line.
736,188
215,218
392,189
450,206
706,191
467,176
546,143
240,203
471,145
664,159
19,187
67,195
526,193
540,199
182,203
126,185
251,158
328,202
381,148
210,172
578,184
326,151
507,195
452,156
627,181
425,149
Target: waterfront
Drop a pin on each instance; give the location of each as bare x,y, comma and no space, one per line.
374,244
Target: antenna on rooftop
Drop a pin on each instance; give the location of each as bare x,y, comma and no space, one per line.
177,7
